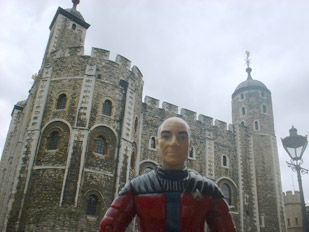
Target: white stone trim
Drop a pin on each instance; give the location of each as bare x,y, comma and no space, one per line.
139,145
48,167
82,163
105,173
254,187
240,177
278,188
67,78
210,156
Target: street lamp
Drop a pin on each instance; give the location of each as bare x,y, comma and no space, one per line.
295,145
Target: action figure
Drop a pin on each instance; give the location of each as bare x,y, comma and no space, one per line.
170,198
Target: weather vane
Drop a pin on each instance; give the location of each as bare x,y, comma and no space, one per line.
248,61
75,3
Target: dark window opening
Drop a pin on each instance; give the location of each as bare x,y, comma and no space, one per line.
99,145
296,221
74,26
256,125
242,96
107,108
289,223
242,123
54,140
92,205
227,193
153,142
99,76
135,125
243,110
224,161
133,158
191,154
62,100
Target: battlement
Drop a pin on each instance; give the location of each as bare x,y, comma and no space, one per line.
291,198
98,54
186,114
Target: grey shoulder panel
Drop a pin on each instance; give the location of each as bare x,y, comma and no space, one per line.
203,185
146,183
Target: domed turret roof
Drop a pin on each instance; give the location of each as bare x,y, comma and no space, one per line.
249,84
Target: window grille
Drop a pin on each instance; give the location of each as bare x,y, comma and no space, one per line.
107,108
54,140
99,145
92,205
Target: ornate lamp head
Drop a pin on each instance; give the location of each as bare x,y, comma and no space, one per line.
295,144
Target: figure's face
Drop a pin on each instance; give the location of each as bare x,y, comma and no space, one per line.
173,144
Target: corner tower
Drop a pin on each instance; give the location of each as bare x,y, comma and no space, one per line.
67,29
252,116
73,143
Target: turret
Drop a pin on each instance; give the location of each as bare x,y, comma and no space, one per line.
252,105
67,29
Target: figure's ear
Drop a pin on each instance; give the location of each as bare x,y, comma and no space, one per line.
157,142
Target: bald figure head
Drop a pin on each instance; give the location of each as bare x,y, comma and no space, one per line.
173,143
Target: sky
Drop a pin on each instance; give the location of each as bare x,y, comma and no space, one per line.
191,54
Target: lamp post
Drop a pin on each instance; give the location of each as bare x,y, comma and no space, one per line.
295,145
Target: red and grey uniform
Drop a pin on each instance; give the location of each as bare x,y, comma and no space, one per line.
169,201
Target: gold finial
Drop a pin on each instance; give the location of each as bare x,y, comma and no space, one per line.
248,61
75,3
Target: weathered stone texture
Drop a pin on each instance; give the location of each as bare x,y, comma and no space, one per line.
49,189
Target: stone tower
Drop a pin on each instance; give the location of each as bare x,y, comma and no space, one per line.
72,143
252,116
293,211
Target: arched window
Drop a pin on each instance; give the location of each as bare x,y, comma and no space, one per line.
243,110
74,26
62,100
54,140
227,193
107,108
152,142
99,145
242,123
242,96
92,205
256,125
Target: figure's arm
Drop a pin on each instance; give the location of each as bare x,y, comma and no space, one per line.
219,219
119,215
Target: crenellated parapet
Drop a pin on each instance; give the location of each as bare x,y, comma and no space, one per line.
188,115
71,62
291,198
